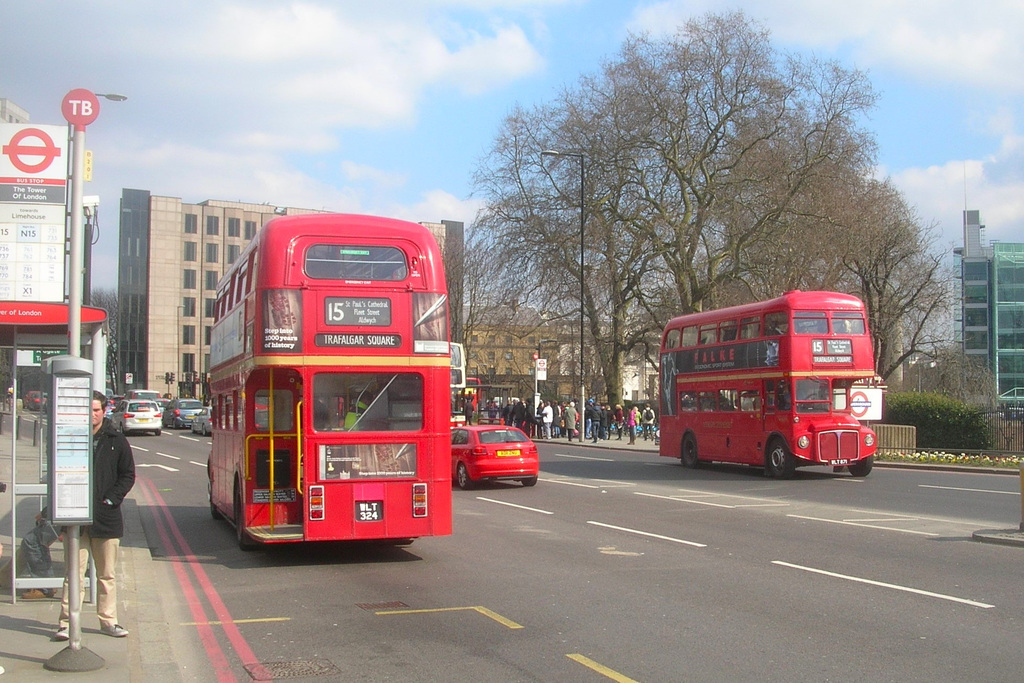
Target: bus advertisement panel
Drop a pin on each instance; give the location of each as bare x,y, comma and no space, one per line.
330,370
768,384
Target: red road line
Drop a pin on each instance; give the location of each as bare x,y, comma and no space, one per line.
238,641
214,652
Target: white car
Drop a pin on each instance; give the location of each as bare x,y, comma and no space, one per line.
134,415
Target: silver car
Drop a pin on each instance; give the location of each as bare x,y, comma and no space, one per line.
201,423
135,415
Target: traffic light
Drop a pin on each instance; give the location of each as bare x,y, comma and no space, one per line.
170,378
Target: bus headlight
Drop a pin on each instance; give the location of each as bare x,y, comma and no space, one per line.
803,441
869,439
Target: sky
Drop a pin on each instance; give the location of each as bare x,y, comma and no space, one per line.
387,107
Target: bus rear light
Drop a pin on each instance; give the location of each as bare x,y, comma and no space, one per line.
419,500
316,503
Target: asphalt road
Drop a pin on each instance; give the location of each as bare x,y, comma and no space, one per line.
616,565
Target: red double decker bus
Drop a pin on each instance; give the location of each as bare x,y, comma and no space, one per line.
768,384
330,381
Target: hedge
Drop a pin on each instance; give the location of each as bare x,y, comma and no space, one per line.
941,422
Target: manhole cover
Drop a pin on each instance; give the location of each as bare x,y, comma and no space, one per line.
272,671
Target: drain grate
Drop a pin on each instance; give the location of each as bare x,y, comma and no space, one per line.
373,606
272,671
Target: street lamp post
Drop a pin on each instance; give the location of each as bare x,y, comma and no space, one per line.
583,219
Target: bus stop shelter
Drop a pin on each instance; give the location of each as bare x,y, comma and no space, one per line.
44,327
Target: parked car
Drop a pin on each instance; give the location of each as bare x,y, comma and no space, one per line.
493,452
136,416
147,394
201,423
179,412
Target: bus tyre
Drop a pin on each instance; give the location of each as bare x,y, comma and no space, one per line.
861,467
688,455
462,477
779,462
245,542
214,512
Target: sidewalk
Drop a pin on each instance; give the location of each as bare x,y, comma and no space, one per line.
27,626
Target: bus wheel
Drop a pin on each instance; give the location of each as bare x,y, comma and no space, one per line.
688,457
245,542
779,462
462,477
861,467
214,512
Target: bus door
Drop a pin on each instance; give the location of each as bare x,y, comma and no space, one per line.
273,452
778,406
747,440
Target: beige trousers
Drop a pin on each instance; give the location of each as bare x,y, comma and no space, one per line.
104,556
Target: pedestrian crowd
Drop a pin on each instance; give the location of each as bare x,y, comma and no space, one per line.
555,420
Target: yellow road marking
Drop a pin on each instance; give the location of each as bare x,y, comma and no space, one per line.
600,668
234,621
482,610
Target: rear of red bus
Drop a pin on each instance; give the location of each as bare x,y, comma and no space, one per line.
331,417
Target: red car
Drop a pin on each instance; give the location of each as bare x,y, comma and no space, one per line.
493,452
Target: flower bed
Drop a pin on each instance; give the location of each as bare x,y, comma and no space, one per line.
943,458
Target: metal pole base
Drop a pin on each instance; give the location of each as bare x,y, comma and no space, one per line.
69,660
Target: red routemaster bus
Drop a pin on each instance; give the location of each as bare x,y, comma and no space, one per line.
768,384
330,378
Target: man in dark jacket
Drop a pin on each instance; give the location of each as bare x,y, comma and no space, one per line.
113,475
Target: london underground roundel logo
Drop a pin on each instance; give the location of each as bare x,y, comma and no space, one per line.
31,150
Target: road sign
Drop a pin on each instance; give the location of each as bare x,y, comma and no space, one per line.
128,378
866,403
80,108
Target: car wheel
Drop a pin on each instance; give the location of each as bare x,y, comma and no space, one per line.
861,468
778,461
462,477
156,433
529,481
688,456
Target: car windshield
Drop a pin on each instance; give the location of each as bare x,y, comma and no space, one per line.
503,436
142,407
190,404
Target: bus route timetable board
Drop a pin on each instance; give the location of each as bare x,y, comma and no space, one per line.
33,212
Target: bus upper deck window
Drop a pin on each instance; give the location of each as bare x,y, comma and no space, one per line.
810,322
672,339
776,324
689,336
750,328
356,262
847,323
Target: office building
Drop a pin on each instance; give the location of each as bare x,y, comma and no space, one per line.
991,323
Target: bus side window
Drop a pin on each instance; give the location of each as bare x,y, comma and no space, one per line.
727,399
689,336
707,401
672,339
727,331
687,401
782,397
750,401
750,328
776,324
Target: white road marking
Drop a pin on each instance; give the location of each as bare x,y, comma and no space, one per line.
647,533
957,488
584,457
571,483
166,455
882,584
200,464
163,467
866,526
513,505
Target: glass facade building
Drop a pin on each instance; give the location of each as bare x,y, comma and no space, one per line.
991,322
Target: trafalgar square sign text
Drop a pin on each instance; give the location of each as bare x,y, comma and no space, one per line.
33,197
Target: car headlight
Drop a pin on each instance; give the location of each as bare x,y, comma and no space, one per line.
869,439
803,441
